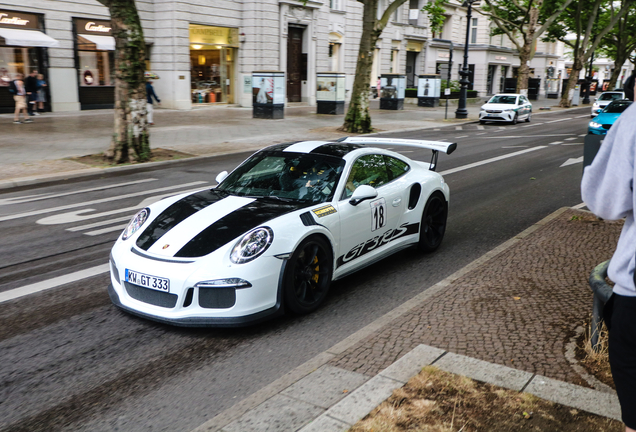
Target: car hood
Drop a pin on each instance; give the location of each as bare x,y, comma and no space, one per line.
606,118
200,223
499,106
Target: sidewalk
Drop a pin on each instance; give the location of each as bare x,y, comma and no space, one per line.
510,318
39,149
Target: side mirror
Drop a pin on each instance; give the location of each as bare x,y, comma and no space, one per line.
362,193
222,176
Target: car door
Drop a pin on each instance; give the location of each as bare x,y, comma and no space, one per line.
366,228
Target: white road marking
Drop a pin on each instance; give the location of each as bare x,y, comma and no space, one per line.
480,127
558,120
52,283
103,200
581,116
556,142
570,139
458,128
579,206
405,151
30,198
462,136
106,230
521,146
583,135
483,133
527,136
100,224
569,144
436,129
77,216
487,161
572,161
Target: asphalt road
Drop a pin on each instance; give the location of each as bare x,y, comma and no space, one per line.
72,362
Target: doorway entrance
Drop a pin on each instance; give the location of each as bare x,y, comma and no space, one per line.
295,64
411,60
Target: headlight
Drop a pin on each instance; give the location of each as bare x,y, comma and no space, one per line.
595,125
135,223
252,245
509,109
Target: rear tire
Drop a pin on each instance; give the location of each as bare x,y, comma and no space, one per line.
433,225
308,275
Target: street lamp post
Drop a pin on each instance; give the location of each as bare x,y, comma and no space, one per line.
462,112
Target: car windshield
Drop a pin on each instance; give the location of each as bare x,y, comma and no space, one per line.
610,96
286,176
617,107
511,100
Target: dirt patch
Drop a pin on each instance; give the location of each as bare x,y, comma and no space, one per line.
437,401
99,160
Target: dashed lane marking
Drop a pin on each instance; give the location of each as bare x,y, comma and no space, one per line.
480,127
458,128
461,136
103,200
99,224
52,283
570,139
487,161
559,120
556,142
39,197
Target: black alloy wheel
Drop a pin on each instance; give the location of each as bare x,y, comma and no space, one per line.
308,275
433,224
515,119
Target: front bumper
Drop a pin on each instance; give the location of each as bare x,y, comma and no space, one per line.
187,304
504,116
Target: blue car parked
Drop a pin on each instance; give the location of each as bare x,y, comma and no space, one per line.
606,118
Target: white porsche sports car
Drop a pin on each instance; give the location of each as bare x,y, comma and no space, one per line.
276,231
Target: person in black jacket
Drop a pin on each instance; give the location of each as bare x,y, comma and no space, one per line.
31,86
628,86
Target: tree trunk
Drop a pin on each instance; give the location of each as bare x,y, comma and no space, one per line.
566,99
618,65
130,142
526,53
358,119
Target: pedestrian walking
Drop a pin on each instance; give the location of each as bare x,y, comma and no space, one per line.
608,190
18,89
150,92
41,94
31,84
628,86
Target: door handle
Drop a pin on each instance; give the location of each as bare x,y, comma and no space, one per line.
396,202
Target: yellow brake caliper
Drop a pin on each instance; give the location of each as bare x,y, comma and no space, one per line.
316,269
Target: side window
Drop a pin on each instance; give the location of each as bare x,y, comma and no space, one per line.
396,167
367,170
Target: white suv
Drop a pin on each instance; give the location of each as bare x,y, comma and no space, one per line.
604,99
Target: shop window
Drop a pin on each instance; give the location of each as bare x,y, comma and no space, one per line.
334,55
16,60
95,68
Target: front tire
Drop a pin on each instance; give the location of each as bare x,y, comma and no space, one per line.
515,119
307,275
433,224
481,122
529,118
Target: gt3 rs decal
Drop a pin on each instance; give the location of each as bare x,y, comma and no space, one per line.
324,211
378,241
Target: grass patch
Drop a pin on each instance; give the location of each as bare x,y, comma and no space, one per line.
595,361
437,401
100,161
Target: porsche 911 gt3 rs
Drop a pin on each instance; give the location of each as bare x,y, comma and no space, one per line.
276,231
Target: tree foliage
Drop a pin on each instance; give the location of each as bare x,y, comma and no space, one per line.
582,27
619,45
130,142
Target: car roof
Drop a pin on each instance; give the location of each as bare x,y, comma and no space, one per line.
327,148
506,94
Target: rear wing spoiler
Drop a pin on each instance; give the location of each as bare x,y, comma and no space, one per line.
435,146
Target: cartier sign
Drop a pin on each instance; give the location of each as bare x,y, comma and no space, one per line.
11,19
86,26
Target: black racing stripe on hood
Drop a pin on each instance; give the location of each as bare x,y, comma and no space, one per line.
177,213
234,224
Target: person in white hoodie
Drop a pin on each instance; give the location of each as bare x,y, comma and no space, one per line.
607,189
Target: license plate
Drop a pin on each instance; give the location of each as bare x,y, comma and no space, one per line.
148,281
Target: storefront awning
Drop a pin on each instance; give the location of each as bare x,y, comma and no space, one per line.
27,38
106,43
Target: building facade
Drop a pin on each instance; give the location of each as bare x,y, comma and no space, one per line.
205,51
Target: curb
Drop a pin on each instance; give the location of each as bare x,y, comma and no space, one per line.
149,166
233,415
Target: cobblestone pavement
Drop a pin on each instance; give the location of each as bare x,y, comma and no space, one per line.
519,309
